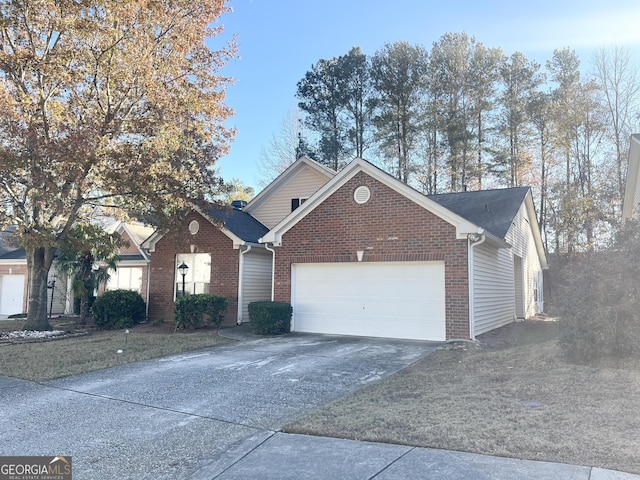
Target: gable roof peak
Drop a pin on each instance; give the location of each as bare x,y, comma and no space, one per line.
282,179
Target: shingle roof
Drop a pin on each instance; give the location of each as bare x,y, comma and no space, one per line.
130,257
239,223
18,254
493,210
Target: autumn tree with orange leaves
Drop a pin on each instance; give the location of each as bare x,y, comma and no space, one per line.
110,104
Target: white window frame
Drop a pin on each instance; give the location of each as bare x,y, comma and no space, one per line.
198,277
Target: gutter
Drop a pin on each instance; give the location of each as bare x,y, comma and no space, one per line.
273,269
473,242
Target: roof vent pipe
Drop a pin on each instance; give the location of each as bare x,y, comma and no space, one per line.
238,204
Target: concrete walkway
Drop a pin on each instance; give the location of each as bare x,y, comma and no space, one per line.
217,413
285,456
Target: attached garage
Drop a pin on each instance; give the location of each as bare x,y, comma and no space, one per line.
376,299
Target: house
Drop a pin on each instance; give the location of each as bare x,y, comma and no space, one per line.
221,249
13,275
131,274
632,187
367,255
355,252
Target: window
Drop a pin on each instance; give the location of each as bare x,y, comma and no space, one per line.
198,275
125,278
296,202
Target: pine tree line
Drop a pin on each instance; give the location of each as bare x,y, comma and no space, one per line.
462,116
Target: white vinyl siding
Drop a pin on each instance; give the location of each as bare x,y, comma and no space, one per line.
256,280
523,246
494,284
493,288
278,206
62,296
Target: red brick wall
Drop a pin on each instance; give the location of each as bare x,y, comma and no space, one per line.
128,244
18,270
224,267
389,227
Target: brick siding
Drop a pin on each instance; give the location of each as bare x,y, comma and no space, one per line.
224,267
388,228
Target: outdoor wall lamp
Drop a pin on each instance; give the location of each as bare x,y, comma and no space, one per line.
183,268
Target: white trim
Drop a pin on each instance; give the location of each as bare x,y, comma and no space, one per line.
633,171
150,243
535,229
463,226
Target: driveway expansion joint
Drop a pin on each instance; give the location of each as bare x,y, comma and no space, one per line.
156,407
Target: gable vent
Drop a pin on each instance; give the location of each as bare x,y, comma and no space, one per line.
362,195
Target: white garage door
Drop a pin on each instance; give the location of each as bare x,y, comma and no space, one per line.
11,294
376,299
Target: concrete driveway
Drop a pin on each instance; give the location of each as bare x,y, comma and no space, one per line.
174,417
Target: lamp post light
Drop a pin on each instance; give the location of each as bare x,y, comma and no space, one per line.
52,286
182,268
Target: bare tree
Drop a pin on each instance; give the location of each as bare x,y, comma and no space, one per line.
284,148
617,77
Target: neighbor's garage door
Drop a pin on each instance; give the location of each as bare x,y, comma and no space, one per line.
376,299
11,294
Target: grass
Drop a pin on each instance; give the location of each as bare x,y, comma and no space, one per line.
39,361
517,396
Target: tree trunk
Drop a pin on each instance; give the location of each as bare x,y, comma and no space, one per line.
39,261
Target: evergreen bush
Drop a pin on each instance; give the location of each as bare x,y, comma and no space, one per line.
200,310
116,309
270,318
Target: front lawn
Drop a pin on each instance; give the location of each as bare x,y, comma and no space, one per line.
45,360
516,396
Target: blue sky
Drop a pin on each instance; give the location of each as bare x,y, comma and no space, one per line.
279,40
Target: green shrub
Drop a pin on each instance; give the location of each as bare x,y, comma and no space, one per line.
118,309
598,298
199,310
270,318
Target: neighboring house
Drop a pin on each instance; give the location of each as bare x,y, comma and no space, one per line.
368,255
133,261
132,272
631,200
14,286
13,275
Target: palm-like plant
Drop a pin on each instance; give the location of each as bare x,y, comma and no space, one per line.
87,255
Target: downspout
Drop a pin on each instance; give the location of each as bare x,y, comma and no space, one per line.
148,267
473,240
273,269
240,284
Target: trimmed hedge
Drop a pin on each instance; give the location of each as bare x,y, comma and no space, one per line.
200,310
270,318
116,309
